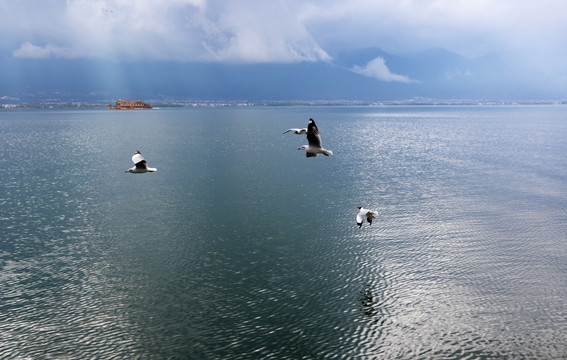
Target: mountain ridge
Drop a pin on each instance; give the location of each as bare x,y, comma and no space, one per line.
367,74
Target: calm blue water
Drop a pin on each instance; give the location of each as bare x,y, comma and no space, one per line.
239,247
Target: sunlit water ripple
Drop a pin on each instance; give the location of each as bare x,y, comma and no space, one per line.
239,247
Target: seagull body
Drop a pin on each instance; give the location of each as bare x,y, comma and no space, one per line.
365,214
314,148
140,164
297,131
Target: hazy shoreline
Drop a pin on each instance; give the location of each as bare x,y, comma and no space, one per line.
205,103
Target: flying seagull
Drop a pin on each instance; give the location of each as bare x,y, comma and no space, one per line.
365,213
140,162
314,148
297,131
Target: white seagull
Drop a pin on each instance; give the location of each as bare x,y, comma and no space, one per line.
365,213
297,131
140,162
314,148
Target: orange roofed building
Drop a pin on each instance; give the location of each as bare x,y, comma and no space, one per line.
131,104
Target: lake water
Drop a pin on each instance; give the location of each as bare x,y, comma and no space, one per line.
240,247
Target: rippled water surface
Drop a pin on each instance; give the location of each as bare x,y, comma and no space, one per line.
240,247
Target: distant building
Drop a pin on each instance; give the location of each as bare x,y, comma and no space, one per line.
130,105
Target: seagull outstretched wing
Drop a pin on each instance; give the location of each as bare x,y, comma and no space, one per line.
359,218
297,131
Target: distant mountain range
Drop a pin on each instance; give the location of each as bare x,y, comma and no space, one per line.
369,74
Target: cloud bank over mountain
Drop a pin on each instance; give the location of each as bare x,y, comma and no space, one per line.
413,47
182,30
276,31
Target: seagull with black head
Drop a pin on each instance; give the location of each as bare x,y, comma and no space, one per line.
314,138
140,164
365,214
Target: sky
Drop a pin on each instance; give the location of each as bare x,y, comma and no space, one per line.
284,31
259,31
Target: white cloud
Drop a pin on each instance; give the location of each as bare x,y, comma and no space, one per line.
377,69
28,50
186,30
275,31
258,31
470,28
